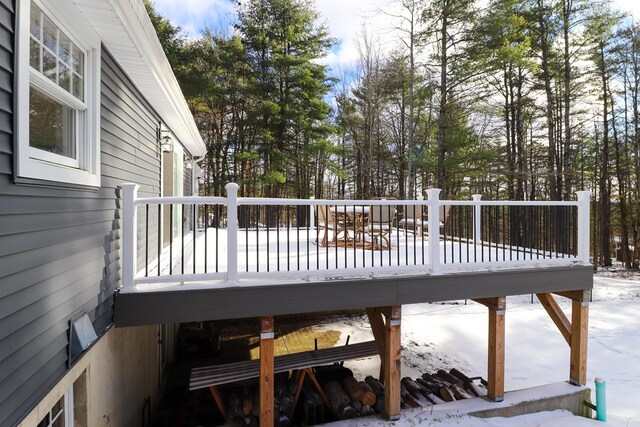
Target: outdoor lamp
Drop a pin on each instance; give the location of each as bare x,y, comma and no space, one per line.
166,142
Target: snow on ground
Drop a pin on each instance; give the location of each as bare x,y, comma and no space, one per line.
443,336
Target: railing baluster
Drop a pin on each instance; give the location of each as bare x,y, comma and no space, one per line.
146,240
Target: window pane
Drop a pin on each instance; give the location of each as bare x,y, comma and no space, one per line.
51,125
65,49
58,408
50,33
65,77
44,422
34,54
77,61
36,15
78,87
49,65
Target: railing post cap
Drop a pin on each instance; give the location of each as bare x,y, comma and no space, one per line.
129,185
312,197
232,186
583,195
433,193
476,196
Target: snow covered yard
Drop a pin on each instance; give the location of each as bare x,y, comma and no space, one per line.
442,336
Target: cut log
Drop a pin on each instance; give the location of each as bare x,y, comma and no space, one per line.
450,378
446,394
413,387
313,408
367,411
435,399
379,406
283,420
462,377
376,386
460,393
356,391
338,398
476,389
369,398
429,386
409,400
432,379
468,383
353,389
250,421
234,404
247,401
357,405
348,412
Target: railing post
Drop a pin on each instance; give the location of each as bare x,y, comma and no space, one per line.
477,219
583,226
129,234
433,214
232,231
312,219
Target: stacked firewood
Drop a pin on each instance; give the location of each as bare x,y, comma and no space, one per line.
439,387
346,396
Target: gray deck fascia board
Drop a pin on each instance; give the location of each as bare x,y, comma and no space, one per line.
144,308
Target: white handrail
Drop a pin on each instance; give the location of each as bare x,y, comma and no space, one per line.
433,203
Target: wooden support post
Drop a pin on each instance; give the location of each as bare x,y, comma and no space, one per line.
496,348
266,372
391,364
579,331
378,329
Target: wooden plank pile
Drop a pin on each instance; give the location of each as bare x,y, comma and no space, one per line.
340,396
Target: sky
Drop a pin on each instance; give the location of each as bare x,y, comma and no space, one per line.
345,19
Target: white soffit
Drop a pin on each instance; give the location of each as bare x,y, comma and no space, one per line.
127,31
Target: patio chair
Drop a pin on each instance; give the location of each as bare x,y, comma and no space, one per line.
413,219
328,223
380,225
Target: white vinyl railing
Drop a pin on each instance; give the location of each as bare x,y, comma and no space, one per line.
229,239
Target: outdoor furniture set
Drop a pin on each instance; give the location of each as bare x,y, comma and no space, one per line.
369,227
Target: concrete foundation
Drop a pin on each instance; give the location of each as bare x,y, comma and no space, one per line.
111,382
546,398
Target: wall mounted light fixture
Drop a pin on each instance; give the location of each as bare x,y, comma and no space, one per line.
166,141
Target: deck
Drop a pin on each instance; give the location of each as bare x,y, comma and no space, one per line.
232,257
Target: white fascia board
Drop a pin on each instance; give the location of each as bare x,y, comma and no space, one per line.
127,31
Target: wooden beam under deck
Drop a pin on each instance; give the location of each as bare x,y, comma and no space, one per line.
557,315
201,303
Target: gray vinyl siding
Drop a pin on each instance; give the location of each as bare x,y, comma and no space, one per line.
59,254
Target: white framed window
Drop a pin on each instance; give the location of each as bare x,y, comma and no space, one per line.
61,414
58,94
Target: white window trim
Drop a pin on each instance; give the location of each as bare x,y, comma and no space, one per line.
30,162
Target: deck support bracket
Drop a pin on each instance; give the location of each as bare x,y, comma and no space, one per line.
497,308
575,332
267,400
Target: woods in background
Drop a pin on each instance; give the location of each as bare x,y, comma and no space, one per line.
515,99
